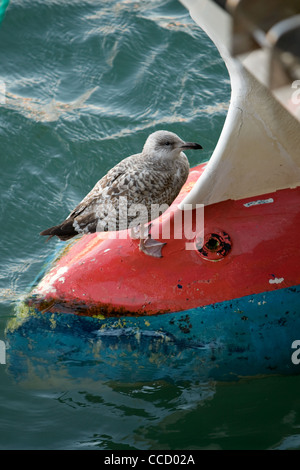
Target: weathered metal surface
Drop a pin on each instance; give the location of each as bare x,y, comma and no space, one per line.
245,336
181,316
226,308
111,277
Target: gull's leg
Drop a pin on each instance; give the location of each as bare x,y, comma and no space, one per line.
148,245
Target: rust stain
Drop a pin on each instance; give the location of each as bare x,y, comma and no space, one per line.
185,324
82,309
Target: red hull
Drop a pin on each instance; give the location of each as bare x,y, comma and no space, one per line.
257,250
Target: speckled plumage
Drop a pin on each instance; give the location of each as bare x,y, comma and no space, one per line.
154,176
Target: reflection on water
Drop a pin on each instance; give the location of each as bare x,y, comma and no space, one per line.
93,390
142,406
123,387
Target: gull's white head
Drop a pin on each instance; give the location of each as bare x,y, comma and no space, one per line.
165,144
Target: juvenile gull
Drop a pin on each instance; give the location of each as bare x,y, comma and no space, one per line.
154,176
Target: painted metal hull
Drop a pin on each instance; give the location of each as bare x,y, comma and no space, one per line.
246,336
185,314
111,277
229,305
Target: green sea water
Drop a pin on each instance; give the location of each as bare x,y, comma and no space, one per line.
83,83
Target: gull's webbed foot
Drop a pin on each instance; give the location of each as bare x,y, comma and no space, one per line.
151,247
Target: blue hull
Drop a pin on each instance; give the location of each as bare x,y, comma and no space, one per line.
242,337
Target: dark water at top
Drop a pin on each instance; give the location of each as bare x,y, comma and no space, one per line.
85,83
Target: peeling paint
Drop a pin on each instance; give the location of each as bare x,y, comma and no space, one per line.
276,280
46,285
258,202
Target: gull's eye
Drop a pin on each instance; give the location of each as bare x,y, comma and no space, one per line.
167,143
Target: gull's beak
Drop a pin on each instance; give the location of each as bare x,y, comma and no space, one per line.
191,145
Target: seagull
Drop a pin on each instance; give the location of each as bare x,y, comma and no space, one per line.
153,177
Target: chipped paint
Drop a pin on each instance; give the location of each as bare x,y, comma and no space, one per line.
258,202
128,283
276,280
46,285
221,345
